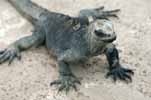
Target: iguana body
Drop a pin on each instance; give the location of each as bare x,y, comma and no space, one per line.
73,39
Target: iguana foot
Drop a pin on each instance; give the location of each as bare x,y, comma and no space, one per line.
9,54
121,73
99,13
66,83
105,14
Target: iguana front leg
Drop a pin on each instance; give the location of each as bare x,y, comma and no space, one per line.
67,79
14,49
99,13
115,68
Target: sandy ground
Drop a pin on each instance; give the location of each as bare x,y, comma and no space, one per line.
29,78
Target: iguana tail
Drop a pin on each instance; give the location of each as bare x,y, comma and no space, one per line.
28,9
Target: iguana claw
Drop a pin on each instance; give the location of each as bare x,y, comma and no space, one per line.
66,83
9,54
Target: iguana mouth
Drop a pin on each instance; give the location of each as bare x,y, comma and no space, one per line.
100,33
106,37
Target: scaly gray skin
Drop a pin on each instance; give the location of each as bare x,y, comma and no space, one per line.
70,37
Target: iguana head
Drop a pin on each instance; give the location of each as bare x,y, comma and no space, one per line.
102,30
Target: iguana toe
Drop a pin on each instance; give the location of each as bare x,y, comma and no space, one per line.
66,83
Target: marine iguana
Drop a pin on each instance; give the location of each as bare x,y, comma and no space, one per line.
73,39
